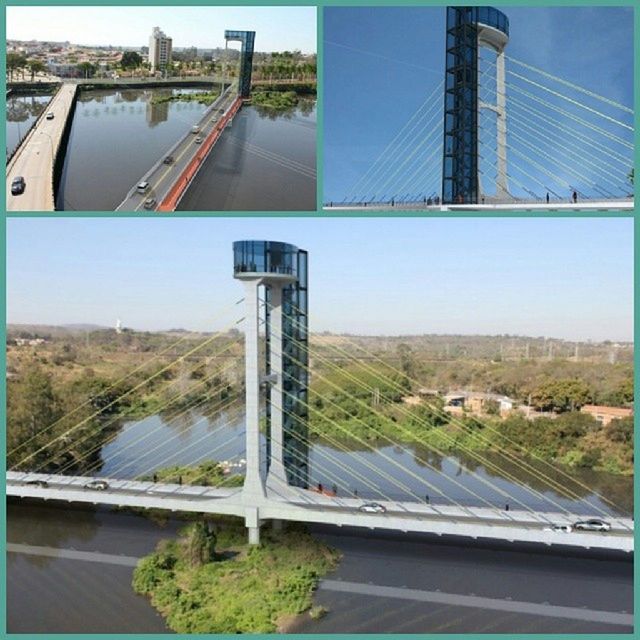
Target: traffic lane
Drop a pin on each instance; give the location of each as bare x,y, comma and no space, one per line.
159,187
355,613
34,160
599,581
420,515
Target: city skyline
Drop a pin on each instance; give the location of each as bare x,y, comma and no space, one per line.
483,277
279,28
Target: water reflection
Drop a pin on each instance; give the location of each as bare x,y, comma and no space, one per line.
402,472
116,136
22,112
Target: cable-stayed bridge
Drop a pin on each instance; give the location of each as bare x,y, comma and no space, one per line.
500,133
287,477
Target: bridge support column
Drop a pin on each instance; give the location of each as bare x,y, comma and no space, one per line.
252,522
502,186
254,535
253,483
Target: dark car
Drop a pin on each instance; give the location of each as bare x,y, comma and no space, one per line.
17,185
97,485
43,484
168,160
593,524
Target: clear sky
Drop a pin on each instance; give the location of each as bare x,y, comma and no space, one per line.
381,63
564,278
277,28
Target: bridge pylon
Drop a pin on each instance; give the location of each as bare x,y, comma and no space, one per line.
278,269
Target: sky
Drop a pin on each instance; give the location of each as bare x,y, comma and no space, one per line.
277,28
569,278
381,63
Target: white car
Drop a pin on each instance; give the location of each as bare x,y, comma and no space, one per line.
593,524
372,507
97,485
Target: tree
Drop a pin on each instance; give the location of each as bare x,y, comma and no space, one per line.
561,395
86,69
15,62
131,60
36,67
199,544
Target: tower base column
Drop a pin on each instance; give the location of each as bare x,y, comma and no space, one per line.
254,535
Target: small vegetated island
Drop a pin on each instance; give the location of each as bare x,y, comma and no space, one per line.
210,580
202,97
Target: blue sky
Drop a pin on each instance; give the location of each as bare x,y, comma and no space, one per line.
277,28
382,62
564,278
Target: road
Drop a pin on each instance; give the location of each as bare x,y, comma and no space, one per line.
162,177
35,158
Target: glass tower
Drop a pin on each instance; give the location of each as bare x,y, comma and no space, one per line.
246,58
460,184
265,257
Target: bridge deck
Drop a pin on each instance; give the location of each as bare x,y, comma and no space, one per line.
35,158
623,204
308,506
163,178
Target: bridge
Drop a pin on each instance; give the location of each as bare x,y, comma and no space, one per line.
167,180
35,159
280,482
498,133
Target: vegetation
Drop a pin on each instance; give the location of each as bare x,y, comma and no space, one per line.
207,474
67,395
203,97
275,100
131,60
210,580
355,406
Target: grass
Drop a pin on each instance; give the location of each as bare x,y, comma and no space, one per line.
244,589
204,97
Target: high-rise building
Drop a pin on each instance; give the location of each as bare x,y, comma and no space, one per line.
160,47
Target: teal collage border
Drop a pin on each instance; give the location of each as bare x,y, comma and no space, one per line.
319,213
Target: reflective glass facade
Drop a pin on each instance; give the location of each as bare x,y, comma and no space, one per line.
258,256
460,150
492,18
247,39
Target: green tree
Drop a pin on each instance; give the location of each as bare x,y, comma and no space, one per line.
15,62
131,60
86,69
36,67
565,394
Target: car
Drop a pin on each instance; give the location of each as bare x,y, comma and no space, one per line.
561,528
50,115
97,485
593,524
168,160
198,140
43,484
142,187
18,185
150,203
372,507
195,129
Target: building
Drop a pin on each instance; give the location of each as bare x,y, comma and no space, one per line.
604,415
477,403
160,48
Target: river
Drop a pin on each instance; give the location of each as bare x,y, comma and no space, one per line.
260,163
263,162
68,594
22,112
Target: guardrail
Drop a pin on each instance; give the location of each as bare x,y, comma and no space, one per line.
171,200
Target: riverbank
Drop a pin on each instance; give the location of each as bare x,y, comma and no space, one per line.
209,580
